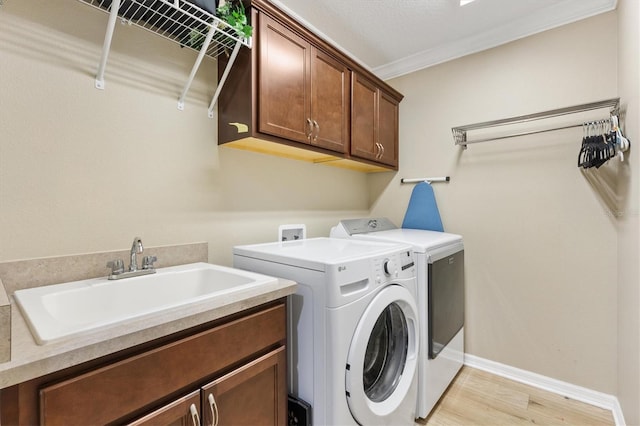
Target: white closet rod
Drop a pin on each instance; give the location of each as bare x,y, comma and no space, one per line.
460,132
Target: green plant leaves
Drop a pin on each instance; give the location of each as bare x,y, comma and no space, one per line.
233,13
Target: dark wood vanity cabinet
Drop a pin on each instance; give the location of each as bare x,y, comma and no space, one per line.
184,411
232,371
293,95
249,395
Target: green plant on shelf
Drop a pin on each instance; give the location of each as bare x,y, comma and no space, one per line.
195,40
233,13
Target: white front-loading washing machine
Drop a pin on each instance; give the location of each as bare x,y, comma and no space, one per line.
439,258
353,326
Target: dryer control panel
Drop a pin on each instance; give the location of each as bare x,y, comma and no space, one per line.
350,227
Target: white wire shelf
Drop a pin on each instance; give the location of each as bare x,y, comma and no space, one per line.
180,21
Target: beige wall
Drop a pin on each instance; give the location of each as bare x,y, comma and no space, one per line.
85,170
540,235
629,217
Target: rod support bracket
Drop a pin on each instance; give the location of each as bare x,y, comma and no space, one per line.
460,137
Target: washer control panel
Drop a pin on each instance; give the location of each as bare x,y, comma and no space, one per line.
390,267
397,265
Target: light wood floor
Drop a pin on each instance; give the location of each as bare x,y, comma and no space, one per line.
479,398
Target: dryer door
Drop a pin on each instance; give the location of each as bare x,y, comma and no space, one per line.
382,361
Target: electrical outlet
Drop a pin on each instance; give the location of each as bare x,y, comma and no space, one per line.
292,232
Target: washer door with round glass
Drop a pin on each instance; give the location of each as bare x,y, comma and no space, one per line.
382,360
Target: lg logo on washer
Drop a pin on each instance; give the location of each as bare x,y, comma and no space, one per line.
342,268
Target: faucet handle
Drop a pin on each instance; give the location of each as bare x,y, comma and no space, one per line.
117,266
147,262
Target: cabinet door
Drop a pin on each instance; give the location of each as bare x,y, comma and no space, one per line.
329,102
364,111
284,82
374,122
388,110
254,394
182,412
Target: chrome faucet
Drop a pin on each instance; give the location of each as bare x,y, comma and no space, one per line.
136,248
117,266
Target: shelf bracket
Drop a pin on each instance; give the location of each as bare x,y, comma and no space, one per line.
111,24
225,74
172,19
196,65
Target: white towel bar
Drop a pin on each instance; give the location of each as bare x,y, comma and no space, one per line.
430,180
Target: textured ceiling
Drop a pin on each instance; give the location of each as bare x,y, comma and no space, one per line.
395,37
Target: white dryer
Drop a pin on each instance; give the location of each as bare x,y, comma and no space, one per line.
439,259
353,334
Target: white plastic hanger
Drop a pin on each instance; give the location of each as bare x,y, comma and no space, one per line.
622,143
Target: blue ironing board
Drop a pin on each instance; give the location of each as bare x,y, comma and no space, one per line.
422,212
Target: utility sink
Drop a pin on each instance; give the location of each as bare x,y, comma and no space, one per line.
60,311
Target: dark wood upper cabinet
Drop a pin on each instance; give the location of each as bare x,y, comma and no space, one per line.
374,118
304,93
330,97
292,95
284,82
388,128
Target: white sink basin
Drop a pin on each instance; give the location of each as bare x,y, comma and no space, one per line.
60,311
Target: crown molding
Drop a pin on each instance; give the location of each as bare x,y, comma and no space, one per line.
561,14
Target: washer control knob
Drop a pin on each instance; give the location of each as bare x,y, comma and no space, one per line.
390,267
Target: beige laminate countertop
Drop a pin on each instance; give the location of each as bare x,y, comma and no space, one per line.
30,360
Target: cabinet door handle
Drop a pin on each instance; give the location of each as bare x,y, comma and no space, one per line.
310,125
317,126
194,415
382,153
214,409
378,150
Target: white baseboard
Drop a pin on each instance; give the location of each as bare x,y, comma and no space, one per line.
579,393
